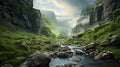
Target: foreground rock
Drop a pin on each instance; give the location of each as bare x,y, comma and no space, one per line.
78,52
7,65
113,40
70,65
90,47
76,59
105,56
102,54
66,48
37,60
65,54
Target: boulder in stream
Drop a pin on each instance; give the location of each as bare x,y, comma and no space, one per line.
89,48
37,59
78,52
70,65
105,56
7,65
64,54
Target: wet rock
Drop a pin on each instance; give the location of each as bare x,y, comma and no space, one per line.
7,65
89,48
22,44
94,53
53,54
21,58
66,48
64,54
37,59
70,65
76,59
105,56
78,52
105,43
115,40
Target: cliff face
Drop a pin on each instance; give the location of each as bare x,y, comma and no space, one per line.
50,14
20,14
82,24
109,7
104,11
96,14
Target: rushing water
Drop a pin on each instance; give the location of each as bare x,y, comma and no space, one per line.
85,60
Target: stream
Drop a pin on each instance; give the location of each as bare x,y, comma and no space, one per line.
86,60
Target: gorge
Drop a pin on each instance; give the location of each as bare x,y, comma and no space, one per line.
55,33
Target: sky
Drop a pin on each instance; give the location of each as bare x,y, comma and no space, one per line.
67,11
63,7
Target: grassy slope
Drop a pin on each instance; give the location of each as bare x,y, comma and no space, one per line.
10,50
99,33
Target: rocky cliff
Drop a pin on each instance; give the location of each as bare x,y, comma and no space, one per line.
82,24
19,14
50,14
101,11
104,11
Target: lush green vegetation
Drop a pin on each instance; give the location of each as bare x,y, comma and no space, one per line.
101,31
63,35
11,48
47,26
98,34
115,50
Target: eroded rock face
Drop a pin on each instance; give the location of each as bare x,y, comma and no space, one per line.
20,14
104,11
96,15
109,7
30,2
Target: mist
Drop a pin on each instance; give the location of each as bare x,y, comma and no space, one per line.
67,12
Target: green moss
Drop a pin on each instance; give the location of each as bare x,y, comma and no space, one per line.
99,32
10,49
47,26
116,13
115,50
52,47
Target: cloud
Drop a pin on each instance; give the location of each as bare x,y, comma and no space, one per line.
72,7
63,7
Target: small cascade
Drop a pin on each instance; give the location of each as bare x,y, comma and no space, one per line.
86,60
76,48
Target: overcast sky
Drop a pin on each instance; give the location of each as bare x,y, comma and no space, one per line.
67,11
63,7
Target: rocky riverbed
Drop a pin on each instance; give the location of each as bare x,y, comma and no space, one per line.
74,56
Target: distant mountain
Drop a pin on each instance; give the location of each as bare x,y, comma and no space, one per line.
50,14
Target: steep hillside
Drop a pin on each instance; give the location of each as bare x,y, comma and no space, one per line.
100,12
20,14
47,26
22,31
50,14
105,31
